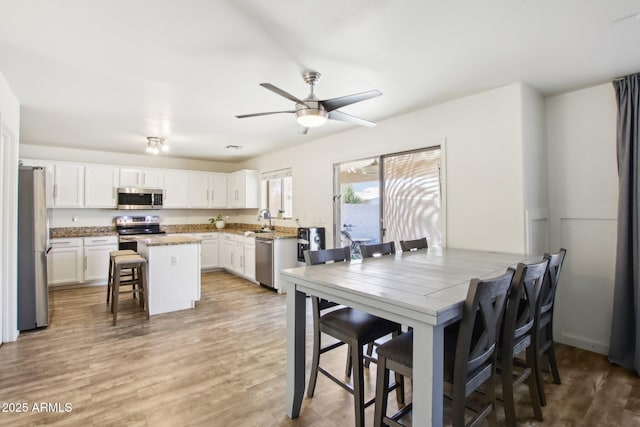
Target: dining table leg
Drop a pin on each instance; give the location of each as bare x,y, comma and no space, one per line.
428,371
296,321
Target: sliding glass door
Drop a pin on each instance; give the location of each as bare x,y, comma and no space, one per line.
411,196
357,203
389,198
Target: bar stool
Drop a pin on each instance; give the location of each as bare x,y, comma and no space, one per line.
112,255
138,265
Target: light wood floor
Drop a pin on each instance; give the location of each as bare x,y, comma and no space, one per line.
223,364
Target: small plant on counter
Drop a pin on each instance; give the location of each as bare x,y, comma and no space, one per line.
218,221
218,218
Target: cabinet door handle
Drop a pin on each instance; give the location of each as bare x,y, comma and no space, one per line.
55,191
85,262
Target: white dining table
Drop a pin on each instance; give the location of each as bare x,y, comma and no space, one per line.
423,289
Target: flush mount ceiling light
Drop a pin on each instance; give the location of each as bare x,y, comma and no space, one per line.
156,144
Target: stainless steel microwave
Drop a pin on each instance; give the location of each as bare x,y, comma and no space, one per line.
140,198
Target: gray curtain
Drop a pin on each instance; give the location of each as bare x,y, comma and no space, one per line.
624,347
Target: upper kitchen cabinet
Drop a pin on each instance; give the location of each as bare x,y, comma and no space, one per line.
147,178
217,190
100,184
68,185
176,189
207,190
198,190
242,189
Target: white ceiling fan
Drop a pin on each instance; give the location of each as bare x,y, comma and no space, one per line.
312,112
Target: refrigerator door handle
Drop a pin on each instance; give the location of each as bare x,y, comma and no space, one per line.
48,250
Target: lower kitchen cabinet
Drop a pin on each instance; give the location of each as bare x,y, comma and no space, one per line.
96,257
78,260
250,258
209,250
64,261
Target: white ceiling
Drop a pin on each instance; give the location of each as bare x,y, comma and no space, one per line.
104,74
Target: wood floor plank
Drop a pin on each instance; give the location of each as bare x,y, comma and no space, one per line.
223,364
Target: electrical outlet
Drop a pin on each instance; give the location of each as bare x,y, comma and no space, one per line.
174,260
74,218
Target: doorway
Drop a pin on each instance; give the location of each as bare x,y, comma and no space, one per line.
389,198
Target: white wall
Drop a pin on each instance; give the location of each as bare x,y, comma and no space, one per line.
483,161
534,169
583,190
10,126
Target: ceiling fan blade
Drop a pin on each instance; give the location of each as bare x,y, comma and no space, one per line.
302,130
242,116
344,117
335,103
281,92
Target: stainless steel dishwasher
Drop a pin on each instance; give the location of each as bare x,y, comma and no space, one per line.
264,262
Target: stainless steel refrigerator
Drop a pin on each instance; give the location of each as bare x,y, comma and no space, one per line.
33,241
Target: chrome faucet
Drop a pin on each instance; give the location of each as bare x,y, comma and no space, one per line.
266,216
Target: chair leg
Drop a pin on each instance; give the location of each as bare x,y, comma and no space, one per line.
358,382
367,362
315,362
109,278
349,365
382,386
144,285
491,396
116,291
507,390
551,354
532,381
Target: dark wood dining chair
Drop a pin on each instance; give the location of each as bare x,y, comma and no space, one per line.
544,329
349,326
413,245
517,337
378,249
470,355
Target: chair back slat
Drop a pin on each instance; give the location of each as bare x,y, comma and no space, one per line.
378,249
413,245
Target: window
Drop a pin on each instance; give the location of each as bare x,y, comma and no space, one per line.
277,193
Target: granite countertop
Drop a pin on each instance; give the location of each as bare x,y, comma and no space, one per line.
162,240
241,229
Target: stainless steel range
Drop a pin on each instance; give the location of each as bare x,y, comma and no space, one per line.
136,225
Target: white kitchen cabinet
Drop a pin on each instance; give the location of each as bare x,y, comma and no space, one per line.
217,190
136,177
242,189
68,185
100,185
209,250
65,261
198,190
285,255
176,186
96,257
232,253
249,259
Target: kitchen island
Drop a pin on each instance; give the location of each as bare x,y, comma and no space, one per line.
173,271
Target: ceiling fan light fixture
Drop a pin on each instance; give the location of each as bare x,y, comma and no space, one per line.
311,117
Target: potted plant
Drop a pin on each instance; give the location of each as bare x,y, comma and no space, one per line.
218,221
